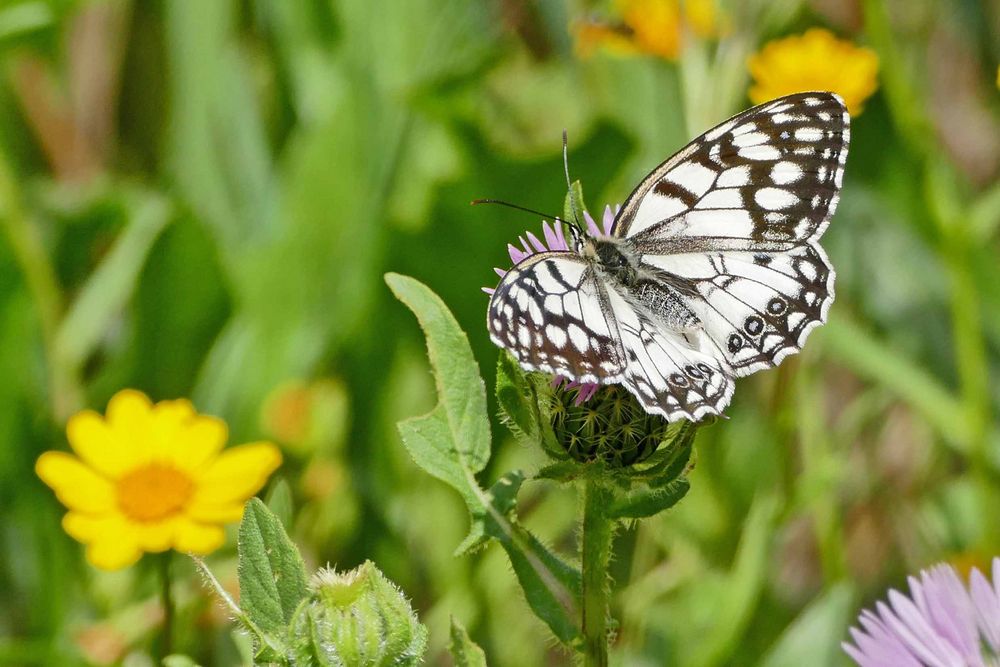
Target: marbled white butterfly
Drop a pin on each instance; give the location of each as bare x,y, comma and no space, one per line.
712,268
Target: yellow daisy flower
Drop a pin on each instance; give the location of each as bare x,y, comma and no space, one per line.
147,478
816,60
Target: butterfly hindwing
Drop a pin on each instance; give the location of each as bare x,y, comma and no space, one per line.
757,307
669,372
551,313
767,179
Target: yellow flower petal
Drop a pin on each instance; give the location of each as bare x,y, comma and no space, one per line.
77,486
199,442
151,478
198,538
113,555
237,474
129,416
95,443
816,60
207,512
111,541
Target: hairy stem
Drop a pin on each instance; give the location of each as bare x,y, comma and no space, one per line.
595,546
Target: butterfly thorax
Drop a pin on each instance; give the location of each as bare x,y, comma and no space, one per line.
613,259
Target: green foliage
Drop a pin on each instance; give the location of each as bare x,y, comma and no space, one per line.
452,443
272,574
464,651
336,620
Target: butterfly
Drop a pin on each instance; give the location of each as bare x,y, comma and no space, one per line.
711,269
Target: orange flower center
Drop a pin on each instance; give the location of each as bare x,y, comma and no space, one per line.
153,492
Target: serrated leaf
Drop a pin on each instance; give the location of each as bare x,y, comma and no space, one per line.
272,575
461,411
452,442
464,651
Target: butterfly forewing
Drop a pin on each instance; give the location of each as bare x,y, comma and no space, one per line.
551,312
767,179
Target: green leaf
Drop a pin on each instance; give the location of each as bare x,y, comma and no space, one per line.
659,483
648,501
814,637
503,497
110,286
454,438
452,442
272,574
573,207
267,644
516,398
464,651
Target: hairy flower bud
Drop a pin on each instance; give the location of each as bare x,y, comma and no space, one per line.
357,618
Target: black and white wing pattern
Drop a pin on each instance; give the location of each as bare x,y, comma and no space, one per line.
671,373
736,215
765,180
552,313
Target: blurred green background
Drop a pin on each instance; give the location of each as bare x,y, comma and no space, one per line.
199,199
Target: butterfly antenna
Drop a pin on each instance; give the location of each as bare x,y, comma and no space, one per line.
577,223
501,202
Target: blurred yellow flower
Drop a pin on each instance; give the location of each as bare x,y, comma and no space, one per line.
816,60
651,27
147,478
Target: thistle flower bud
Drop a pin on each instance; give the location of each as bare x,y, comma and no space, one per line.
609,425
357,618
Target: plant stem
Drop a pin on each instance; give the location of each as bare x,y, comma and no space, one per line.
167,601
595,547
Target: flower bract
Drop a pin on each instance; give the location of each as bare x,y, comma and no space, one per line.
148,478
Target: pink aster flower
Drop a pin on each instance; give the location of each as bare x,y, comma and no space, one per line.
555,240
941,624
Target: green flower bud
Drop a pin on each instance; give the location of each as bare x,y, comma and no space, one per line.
357,618
611,426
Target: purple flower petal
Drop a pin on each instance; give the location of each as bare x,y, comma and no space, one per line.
538,245
609,220
500,272
987,603
944,601
591,225
550,236
561,237
488,290
516,254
